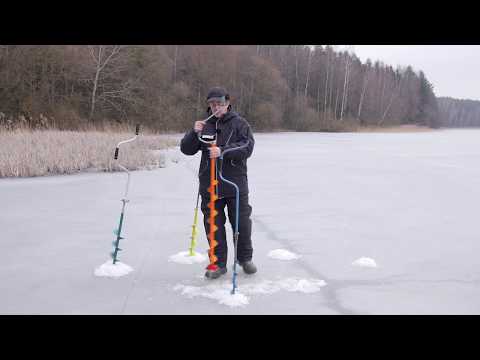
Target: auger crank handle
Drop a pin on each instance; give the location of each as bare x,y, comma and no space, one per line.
117,149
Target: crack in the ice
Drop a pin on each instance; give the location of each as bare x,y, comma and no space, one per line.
329,291
333,286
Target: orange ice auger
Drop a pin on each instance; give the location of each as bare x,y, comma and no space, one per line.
213,212
211,139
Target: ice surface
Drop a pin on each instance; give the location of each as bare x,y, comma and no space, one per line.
409,200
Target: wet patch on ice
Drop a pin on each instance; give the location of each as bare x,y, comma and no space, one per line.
221,292
184,257
109,269
365,262
282,254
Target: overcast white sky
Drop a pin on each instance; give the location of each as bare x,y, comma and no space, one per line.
454,70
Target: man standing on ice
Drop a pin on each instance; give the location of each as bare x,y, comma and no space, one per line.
231,131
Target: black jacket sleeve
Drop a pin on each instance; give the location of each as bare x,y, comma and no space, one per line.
244,134
190,143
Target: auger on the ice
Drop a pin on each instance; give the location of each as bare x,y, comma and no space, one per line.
118,231
237,210
212,141
193,238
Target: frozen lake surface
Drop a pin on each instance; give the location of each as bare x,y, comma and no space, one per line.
407,201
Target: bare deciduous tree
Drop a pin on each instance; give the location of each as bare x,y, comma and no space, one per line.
101,55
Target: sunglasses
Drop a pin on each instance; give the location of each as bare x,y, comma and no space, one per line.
216,103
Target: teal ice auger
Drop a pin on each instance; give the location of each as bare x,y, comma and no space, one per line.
118,231
237,210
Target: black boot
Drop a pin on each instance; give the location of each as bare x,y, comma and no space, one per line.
248,267
214,272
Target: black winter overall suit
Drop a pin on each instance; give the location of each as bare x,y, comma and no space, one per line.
232,131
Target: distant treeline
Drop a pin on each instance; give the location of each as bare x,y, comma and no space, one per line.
459,113
291,87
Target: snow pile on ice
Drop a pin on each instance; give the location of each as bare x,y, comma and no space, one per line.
110,270
289,284
233,300
303,285
282,254
221,292
365,262
184,257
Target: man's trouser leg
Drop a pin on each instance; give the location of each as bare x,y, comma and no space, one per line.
221,249
244,246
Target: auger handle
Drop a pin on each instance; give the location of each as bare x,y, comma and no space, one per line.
233,149
200,133
117,149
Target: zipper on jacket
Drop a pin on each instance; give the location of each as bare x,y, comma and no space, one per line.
216,162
